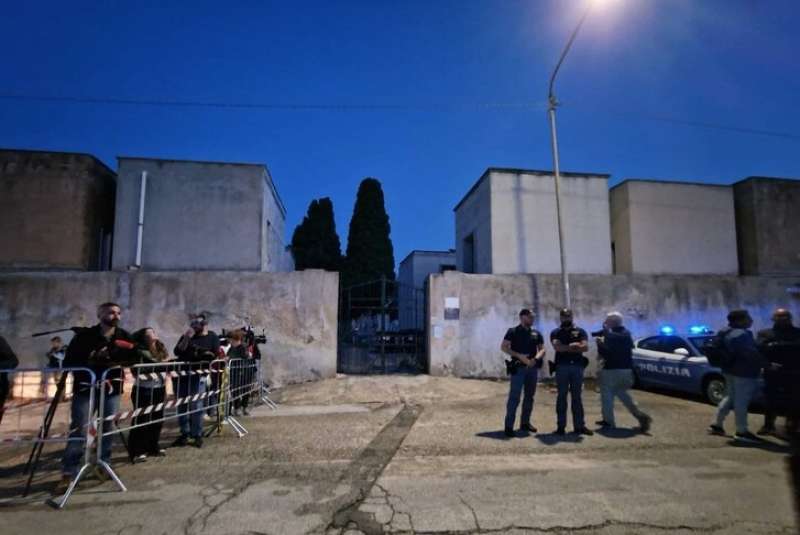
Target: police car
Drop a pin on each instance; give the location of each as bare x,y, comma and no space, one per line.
676,362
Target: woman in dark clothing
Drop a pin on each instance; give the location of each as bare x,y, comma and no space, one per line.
148,390
241,373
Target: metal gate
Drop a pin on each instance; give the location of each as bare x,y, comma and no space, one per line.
382,329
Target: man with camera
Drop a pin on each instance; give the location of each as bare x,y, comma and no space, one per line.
197,345
99,348
570,343
615,347
525,346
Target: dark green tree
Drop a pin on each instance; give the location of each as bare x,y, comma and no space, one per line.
315,243
370,254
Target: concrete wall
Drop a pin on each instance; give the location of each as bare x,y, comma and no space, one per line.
473,218
675,228
489,304
198,216
56,211
413,273
767,214
298,311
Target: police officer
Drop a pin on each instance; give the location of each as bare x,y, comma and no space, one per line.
570,343
781,346
525,346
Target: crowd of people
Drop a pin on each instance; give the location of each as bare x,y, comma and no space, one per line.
106,349
771,358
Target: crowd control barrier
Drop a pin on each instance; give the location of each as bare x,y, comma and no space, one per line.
27,419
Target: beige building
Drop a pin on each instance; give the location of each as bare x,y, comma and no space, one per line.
56,211
662,227
507,223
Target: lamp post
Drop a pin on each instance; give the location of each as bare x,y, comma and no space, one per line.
551,112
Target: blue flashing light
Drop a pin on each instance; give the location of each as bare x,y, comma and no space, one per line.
699,329
666,330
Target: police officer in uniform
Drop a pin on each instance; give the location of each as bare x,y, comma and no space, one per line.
570,343
525,346
781,346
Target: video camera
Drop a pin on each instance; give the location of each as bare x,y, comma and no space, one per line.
251,339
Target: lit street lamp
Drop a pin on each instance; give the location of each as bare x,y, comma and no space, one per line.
551,111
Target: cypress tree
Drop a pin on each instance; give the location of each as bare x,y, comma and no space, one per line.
315,243
370,254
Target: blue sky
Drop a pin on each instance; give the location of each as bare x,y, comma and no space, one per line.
423,95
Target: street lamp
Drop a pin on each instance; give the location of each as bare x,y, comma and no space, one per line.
551,111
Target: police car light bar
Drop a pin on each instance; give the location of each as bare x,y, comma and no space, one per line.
667,330
699,329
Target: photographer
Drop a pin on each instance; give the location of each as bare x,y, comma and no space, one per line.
525,346
99,348
241,372
615,347
197,345
570,343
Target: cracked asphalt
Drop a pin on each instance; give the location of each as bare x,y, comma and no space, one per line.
366,455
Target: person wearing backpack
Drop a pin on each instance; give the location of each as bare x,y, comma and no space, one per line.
741,365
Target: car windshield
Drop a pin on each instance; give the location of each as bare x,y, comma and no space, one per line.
699,342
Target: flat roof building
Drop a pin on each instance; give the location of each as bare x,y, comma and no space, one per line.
507,223
767,219
412,277
198,216
56,211
665,227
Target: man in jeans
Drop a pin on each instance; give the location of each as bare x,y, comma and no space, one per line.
615,347
525,346
197,345
741,368
99,348
570,343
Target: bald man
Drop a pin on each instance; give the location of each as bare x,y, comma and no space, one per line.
781,346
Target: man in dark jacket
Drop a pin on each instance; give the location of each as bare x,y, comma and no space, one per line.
741,373
781,347
100,348
8,361
615,348
197,345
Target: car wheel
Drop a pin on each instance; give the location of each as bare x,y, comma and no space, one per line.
715,389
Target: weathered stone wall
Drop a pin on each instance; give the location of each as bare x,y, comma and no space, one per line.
56,211
489,304
298,310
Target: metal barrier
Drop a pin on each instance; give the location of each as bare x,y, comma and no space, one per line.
262,389
159,393
243,383
23,412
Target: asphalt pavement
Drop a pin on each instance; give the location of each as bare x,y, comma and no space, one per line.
404,454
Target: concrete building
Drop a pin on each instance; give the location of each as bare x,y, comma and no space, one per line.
412,276
673,228
56,211
767,219
507,223
199,216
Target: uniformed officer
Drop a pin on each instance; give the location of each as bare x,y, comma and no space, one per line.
525,346
570,343
781,346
